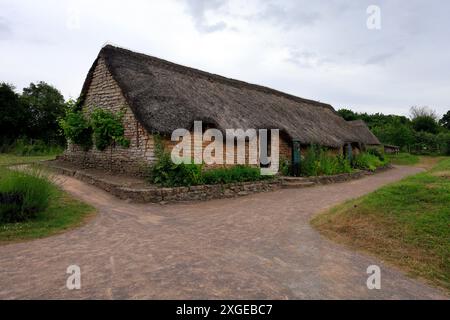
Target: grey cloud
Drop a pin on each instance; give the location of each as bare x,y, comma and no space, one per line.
305,58
198,8
286,16
5,29
382,58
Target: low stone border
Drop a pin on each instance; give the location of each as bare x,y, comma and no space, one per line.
345,176
194,193
162,195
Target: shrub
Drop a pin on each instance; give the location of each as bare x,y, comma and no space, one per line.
23,195
318,161
238,173
108,129
76,128
376,153
169,174
285,166
367,161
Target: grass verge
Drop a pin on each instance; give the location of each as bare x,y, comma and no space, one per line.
406,159
63,211
406,224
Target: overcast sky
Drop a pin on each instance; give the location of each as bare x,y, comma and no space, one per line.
321,50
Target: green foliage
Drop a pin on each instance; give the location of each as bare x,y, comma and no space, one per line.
108,129
377,153
285,166
238,173
425,143
63,211
26,147
13,120
421,135
24,195
169,174
44,105
395,133
425,124
445,120
76,127
317,161
347,114
444,143
166,173
367,161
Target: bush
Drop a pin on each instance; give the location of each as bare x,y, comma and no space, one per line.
76,128
285,166
318,161
23,195
168,174
376,153
108,128
367,161
238,173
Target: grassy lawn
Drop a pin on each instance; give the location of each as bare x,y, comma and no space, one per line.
63,212
406,224
403,159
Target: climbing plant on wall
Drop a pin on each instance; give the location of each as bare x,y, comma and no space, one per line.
102,128
108,129
76,127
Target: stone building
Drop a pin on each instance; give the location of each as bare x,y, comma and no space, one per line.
160,96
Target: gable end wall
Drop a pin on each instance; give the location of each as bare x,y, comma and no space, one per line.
105,93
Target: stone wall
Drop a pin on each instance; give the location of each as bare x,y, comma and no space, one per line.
105,93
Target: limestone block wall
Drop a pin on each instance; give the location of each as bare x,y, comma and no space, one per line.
105,93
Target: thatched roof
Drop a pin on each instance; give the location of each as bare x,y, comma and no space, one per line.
363,132
165,96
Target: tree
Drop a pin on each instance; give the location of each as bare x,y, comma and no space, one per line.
347,114
445,120
424,119
13,116
46,105
395,133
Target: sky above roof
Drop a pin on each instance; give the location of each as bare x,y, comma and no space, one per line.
320,50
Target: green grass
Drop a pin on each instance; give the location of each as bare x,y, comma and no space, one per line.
9,159
406,159
405,223
62,213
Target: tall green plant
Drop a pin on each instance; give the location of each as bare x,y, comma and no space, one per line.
317,161
108,129
76,127
23,195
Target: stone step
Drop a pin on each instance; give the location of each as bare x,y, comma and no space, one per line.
297,184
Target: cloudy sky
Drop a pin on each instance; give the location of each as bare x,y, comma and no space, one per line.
322,50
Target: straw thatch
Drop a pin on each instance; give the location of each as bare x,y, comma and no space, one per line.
363,133
165,96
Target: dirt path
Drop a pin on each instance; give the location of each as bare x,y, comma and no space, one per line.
256,247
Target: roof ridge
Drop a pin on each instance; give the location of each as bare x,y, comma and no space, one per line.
211,76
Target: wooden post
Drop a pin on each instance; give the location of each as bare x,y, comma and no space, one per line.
349,152
296,157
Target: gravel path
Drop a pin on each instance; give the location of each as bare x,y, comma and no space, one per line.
254,247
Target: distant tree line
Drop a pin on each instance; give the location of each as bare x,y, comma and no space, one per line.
422,132
31,115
